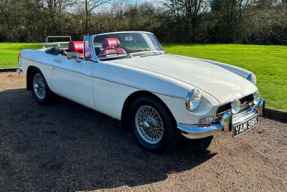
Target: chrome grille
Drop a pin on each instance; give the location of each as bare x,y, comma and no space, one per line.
245,105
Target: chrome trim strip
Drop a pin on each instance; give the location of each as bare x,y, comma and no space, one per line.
248,105
136,87
235,98
113,57
215,113
197,131
251,107
109,33
224,125
244,117
91,41
73,71
132,86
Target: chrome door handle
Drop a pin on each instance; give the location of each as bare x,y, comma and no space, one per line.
57,60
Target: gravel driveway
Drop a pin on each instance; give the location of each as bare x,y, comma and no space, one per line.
68,147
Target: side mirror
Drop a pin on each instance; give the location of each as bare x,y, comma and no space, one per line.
73,55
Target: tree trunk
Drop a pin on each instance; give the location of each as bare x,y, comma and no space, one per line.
87,17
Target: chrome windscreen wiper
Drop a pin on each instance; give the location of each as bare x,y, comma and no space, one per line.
154,54
145,49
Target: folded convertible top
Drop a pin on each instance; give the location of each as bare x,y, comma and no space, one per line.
57,50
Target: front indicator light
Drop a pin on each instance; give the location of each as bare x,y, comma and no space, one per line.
205,121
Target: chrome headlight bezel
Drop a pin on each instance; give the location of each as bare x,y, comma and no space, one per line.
235,106
256,96
193,100
252,78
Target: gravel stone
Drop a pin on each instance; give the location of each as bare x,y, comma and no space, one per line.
68,147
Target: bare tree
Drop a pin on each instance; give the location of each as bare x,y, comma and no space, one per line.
90,5
190,11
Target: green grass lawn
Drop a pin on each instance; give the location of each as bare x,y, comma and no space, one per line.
9,52
269,63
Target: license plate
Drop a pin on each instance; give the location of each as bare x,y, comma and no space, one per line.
245,126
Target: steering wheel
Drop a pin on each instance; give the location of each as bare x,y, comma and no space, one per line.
104,54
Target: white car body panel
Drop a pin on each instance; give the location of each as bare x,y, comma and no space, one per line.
40,60
68,79
105,85
74,80
237,70
113,83
217,81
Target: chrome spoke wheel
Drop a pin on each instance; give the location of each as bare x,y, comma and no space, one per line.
149,124
39,86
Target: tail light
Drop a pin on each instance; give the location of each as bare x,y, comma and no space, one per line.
19,56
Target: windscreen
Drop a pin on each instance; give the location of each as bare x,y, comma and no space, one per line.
125,43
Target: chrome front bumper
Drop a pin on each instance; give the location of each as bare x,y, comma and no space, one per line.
197,131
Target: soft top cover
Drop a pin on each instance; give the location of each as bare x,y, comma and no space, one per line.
57,50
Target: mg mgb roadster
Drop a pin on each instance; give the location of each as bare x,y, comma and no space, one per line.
159,96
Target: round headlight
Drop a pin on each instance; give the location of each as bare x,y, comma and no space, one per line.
235,106
252,78
256,97
193,99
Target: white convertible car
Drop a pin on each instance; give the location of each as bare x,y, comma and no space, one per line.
159,96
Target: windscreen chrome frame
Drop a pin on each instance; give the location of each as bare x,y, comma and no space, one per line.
91,42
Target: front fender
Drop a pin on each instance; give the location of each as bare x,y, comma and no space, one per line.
237,70
141,79
113,83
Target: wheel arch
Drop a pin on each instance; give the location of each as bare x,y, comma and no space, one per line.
29,70
128,102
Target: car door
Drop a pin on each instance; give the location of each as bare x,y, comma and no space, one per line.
73,79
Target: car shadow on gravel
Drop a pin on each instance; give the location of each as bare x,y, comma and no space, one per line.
68,147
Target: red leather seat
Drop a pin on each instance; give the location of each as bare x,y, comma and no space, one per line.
76,46
112,42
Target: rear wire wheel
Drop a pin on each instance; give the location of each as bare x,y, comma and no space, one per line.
40,89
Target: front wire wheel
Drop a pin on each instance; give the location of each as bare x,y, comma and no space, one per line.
149,124
152,124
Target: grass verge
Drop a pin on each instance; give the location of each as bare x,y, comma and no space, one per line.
9,53
269,63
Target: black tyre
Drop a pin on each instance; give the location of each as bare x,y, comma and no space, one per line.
40,89
153,125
